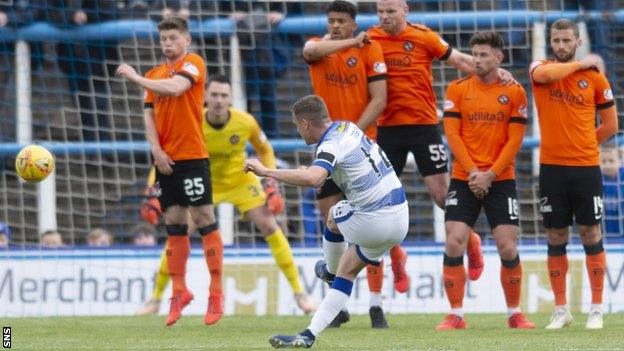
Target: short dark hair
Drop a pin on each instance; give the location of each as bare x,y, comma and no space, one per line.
312,108
492,39
174,22
565,23
342,7
219,78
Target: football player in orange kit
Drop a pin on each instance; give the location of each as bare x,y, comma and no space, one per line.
174,99
568,93
484,123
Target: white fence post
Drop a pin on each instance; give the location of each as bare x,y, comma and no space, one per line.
46,192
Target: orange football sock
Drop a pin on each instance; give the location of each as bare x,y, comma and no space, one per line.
213,253
178,250
596,263
396,253
511,280
454,280
474,239
557,272
374,274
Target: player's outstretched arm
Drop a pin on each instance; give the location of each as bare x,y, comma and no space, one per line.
315,50
313,176
173,86
463,62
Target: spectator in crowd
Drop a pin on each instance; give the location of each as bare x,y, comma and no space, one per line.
144,235
4,235
261,54
87,65
51,239
170,8
613,204
99,237
16,14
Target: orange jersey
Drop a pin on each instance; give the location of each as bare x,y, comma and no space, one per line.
179,118
484,125
409,55
342,78
567,117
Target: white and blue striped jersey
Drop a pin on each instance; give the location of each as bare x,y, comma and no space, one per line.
359,167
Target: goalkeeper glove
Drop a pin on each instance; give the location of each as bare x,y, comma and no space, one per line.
150,208
274,200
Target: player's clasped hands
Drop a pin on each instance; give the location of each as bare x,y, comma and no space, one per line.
480,182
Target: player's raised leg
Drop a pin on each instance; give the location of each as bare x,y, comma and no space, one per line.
475,256
398,259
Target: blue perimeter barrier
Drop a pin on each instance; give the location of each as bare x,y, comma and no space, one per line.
279,145
316,24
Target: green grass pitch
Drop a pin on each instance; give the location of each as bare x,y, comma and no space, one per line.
407,332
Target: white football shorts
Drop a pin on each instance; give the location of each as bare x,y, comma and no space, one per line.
374,233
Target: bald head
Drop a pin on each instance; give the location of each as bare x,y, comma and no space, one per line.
392,15
393,2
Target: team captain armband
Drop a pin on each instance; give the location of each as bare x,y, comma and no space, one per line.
326,160
326,156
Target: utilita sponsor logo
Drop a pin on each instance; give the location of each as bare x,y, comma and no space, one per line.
486,117
561,95
342,80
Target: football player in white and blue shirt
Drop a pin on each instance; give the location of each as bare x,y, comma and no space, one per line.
374,216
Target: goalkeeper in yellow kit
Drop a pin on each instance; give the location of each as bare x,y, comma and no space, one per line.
226,133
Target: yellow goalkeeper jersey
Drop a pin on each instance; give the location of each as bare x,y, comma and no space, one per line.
227,149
